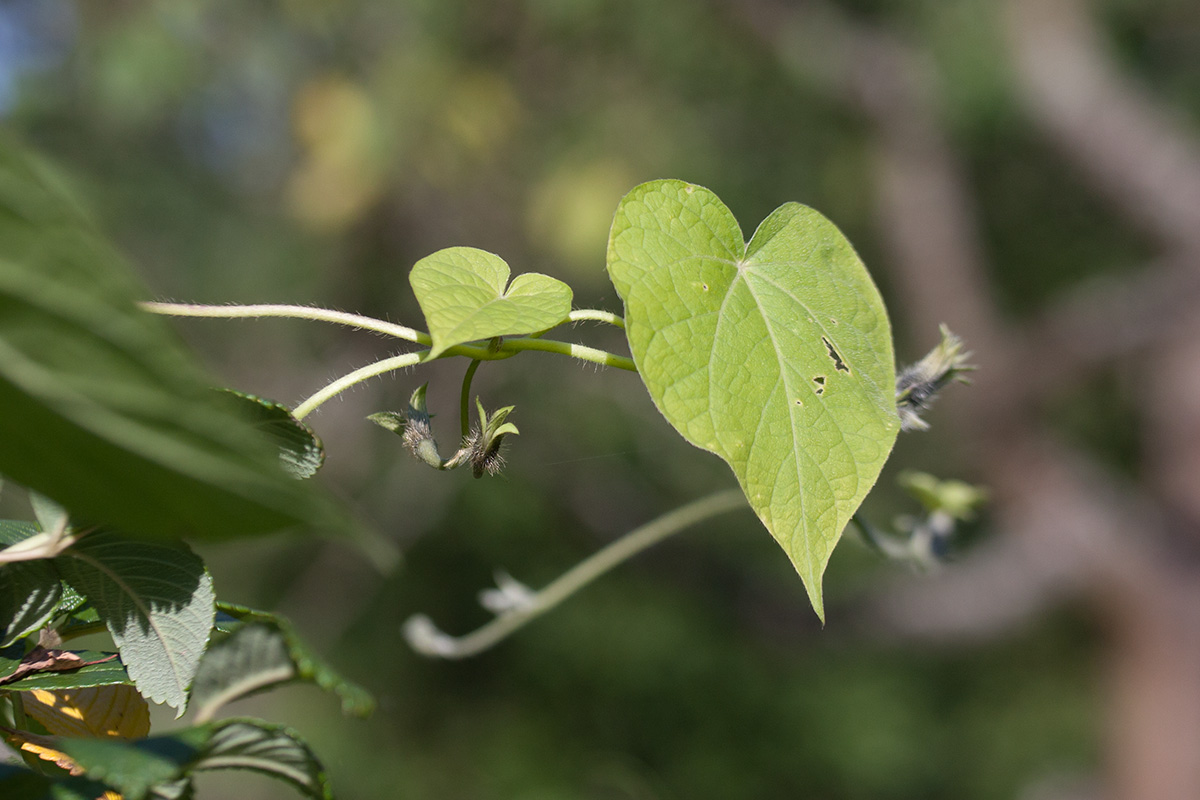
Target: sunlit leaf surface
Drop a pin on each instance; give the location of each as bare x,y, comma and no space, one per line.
774,354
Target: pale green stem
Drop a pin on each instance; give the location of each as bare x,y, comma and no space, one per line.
290,312
596,315
478,353
465,399
357,376
508,347
426,639
582,352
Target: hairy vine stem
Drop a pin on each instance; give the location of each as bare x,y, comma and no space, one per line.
285,311
506,348
427,639
357,376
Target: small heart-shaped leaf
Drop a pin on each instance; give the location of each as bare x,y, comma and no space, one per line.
463,295
774,354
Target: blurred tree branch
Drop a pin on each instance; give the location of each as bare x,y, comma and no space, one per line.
1069,529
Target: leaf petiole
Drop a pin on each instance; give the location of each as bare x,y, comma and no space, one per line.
465,399
596,315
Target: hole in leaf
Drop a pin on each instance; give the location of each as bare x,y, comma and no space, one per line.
838,363
819,380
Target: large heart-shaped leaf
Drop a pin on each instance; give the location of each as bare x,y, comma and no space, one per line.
774,354
104,410
465,295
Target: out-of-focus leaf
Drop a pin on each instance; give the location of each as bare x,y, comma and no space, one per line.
160,766
48,513
465,295
104,411
30,591
157,601
135,766
775,354
17,782
263,647
97,711
300,451
42,746
250,659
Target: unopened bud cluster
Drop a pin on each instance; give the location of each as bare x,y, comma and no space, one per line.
919,384
481,448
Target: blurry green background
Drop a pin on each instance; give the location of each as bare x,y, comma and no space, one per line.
311,151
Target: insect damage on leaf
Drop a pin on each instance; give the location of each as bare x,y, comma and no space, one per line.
838,363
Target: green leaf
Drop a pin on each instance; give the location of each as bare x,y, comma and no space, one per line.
253,658
776,355
48,513
462,294
272,750
17,782
158,765
262,648
104,410
157,601
300,451
29,590
106,673
134,767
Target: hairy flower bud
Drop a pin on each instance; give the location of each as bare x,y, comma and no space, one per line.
918,385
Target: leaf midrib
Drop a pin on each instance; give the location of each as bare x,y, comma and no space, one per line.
159,634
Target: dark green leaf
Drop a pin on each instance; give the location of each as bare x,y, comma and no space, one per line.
159,766
19,783
134,767
272,750
107,673
300,451
157,601
252,658
263,648
29,590
104,411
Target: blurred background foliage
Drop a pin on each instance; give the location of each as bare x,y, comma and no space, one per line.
310,151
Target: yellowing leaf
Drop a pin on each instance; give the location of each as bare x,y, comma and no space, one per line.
95,712
47,749
44,747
